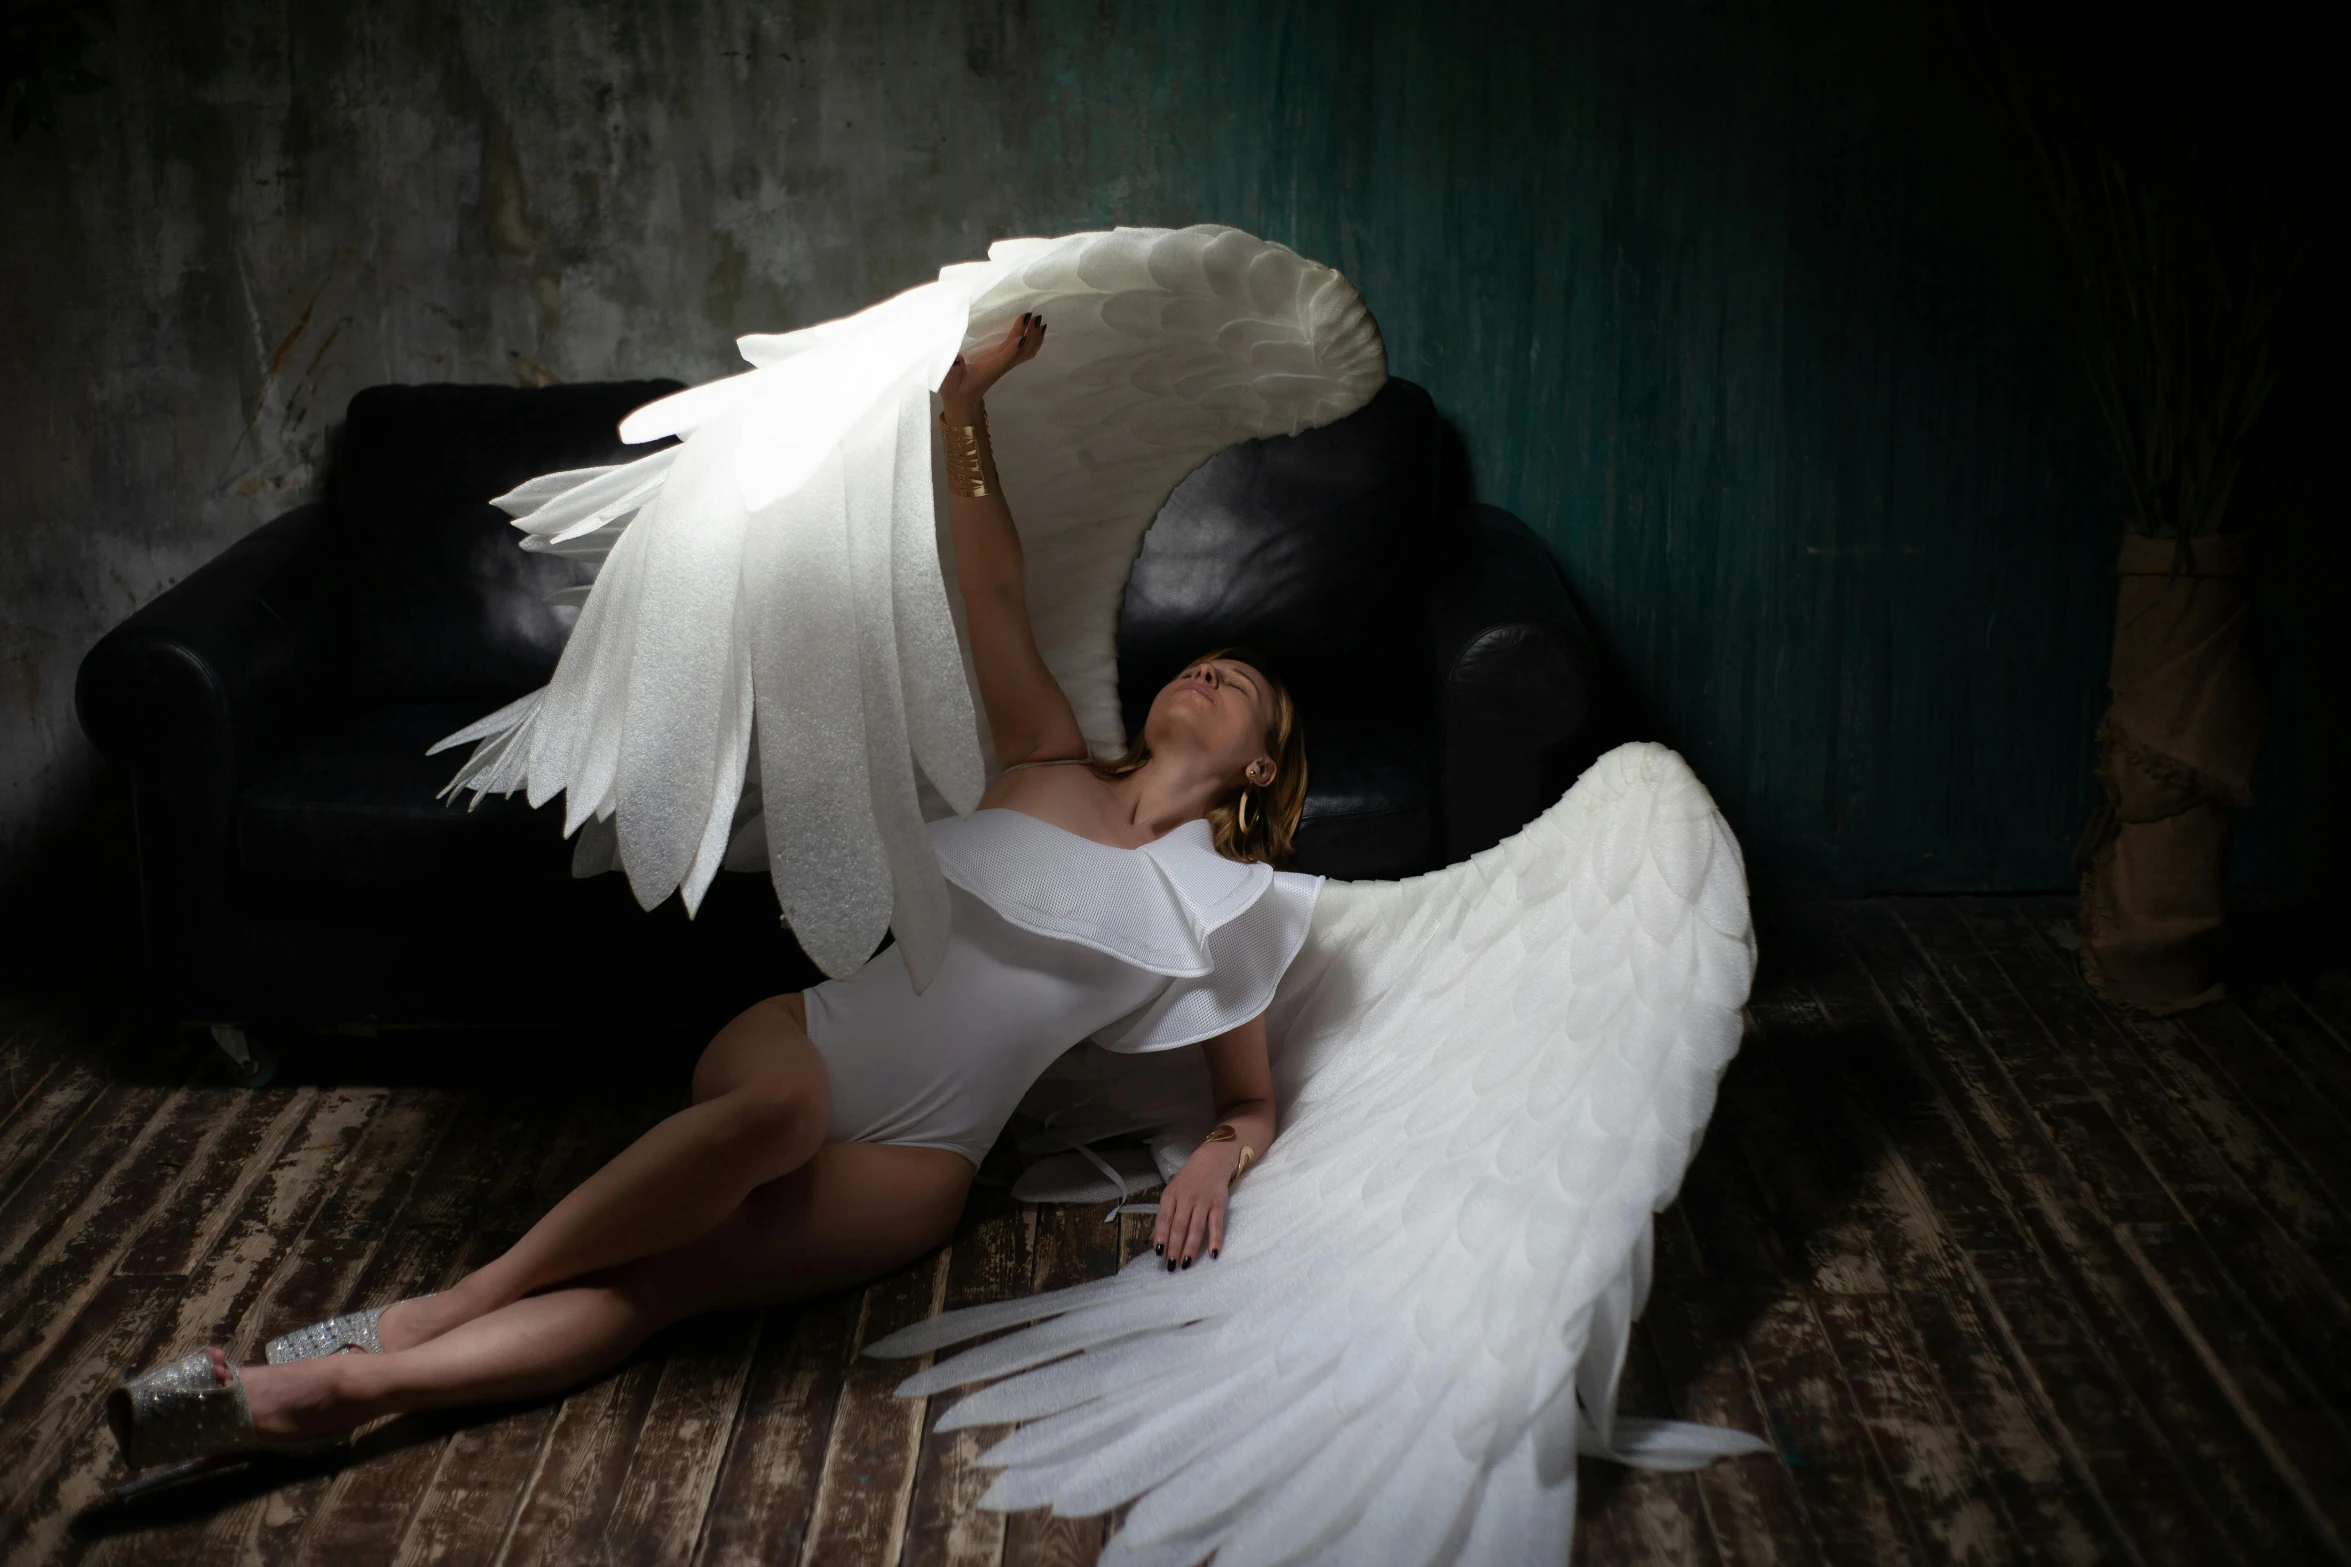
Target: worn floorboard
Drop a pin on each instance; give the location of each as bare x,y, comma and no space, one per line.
2005,1275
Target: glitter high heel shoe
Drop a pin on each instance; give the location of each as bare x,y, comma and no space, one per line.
181,1420
352,1330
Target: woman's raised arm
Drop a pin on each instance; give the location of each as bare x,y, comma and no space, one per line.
1028,716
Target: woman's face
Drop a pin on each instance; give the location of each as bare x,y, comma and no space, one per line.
1218,709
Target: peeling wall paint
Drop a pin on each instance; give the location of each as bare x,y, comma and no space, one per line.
1743,306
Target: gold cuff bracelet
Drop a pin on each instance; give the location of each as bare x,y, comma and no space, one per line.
965,474
1223,1132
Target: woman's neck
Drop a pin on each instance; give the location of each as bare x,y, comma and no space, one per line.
1166,792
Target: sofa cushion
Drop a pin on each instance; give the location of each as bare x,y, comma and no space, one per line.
444,604
1371,810
1309,548
356,808
1313,550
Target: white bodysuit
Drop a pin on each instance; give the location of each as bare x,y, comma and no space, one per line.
1057,939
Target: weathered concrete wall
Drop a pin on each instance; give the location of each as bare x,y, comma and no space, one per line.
1736,304
278,204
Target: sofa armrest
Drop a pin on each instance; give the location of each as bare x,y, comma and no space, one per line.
200,686
1512,668
236,651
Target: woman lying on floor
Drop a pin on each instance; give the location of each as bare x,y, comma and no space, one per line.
834,1133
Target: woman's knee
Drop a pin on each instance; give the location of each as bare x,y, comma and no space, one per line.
783,1109
644,1296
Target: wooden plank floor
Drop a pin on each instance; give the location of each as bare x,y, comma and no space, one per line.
2005,1276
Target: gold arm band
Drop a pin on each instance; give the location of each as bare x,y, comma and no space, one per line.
1247,1153
1222,1132
966,475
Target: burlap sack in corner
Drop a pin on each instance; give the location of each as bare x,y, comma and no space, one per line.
2176,755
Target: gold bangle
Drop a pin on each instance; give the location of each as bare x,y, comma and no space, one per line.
966,476
1223,1132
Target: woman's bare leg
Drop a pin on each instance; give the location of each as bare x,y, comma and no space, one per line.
760,1112
852,1213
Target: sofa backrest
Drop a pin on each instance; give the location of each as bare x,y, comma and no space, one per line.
443,603
1312,548
1317,549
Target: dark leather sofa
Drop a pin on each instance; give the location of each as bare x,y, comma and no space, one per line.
297,869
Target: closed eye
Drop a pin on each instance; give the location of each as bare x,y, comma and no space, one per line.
1237,675
1240,676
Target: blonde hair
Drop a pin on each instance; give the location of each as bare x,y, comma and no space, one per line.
1274,808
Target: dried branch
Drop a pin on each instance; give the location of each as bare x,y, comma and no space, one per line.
2184,278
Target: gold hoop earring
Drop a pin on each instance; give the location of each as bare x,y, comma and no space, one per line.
1241,813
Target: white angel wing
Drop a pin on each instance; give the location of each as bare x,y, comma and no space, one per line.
1492,1077
770,603
1178,345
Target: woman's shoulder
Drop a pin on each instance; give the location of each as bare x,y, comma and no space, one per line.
1063,792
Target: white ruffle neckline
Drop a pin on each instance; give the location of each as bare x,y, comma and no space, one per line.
1173,906
1155,906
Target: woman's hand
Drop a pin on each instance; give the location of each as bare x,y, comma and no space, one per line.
969,378
1191,1209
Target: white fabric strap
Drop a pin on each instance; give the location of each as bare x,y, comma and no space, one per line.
1118,1180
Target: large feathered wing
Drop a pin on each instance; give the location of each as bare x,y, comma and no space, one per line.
1491,1078
767,664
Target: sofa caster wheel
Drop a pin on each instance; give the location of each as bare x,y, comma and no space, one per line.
251,1063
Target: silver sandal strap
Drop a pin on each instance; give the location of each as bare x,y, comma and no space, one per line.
183,1410
351,1330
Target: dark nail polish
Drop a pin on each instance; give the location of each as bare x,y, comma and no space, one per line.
1214,1251
1187,1262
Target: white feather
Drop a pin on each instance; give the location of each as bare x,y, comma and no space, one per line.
1434,1271
1491,1077
778,572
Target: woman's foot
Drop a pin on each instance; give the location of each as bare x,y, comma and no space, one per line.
377,1330
302,1401
198,1411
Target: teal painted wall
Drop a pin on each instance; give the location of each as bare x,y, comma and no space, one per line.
1747,308
1750,310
